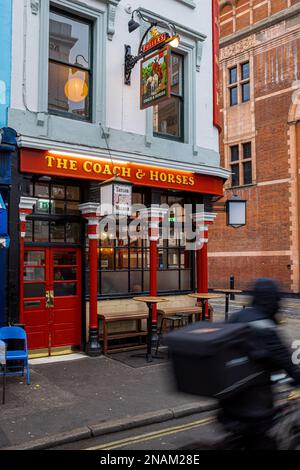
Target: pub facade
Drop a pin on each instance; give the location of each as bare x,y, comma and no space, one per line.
79,124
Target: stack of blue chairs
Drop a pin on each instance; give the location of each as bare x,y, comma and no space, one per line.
16,333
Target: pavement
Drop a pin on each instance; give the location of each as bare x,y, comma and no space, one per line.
77,397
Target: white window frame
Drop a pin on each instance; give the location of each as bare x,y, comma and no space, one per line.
99,57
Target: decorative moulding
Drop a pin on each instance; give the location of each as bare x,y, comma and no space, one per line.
35,6
188,3
111,17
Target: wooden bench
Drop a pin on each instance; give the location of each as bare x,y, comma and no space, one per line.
193,313
106,336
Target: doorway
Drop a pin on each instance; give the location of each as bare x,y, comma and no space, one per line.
52,298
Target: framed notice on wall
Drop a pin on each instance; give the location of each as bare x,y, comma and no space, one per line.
155,78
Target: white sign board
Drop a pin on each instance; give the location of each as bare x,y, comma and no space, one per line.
122,199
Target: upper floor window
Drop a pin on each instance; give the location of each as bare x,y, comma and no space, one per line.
70,66
239,84
241,164
168,116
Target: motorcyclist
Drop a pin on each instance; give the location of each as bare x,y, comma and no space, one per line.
249,414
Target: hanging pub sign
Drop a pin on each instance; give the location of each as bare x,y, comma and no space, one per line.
116,197
155,78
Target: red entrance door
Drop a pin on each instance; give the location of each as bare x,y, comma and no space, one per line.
52,297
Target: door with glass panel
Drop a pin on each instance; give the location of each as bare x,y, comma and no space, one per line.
52,297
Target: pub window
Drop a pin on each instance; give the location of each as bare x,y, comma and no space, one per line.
168,116
70,66
123,264
241,164
239,84
56,216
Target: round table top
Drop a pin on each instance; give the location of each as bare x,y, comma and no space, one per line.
204,296
229,291
150,299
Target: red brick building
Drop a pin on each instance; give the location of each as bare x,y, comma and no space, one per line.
260,142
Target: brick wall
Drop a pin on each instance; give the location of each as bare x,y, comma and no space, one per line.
235,15
266,245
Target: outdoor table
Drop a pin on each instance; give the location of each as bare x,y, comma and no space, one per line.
203,298
227,293
3,367
150,301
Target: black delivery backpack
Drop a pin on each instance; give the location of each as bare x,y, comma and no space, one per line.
212,359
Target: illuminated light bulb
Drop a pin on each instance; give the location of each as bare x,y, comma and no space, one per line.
175,42
76,90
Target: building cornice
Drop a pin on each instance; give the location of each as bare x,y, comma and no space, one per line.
261,25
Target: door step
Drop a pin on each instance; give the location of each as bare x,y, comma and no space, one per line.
61,351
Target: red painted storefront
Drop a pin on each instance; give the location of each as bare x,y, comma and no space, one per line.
51,291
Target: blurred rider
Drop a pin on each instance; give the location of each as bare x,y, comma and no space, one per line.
249,414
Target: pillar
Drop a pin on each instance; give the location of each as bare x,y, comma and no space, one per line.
26,206
202,221
153,215
89,212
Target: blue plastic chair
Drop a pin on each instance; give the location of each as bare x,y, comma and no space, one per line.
16,333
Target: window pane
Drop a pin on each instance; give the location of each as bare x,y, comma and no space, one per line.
73,193
122,259
136,259
247,173
173,259
185,279
176,74
41,231
245,71
73,232
168,280
106,259
65,289
64,258
68,90
235,179
34,290
69,40
57,232
41,190
114,283
72,208
34,274
34,258
58,207
136,281
185,259
246,92
233,96
167,118
58,192
247,150
65,274
29,231
233,75
234,153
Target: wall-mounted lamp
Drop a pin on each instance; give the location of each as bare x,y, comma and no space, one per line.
236,212
130,60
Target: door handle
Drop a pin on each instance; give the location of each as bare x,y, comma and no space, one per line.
49,299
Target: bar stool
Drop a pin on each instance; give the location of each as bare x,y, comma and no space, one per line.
172,320
187,318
